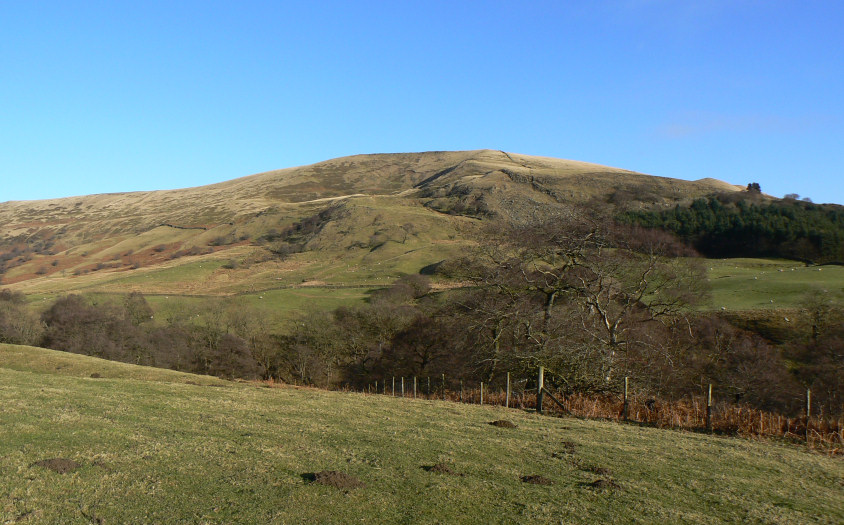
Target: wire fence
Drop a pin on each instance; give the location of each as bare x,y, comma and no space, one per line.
693,413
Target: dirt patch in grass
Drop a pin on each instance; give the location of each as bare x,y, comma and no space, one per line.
333,478
503,423
603,484
96,375
569,449
23,517
101,464
536,479
60,465
441,468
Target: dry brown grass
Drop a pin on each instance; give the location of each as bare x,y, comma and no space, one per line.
825,434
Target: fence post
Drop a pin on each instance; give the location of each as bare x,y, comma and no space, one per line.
461,390
414,387
626,398
429,386
376,386
394,386
443,387
402,386
539,388
507,399
482,392
808,411
709,409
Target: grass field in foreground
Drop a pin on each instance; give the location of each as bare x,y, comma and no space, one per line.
161,450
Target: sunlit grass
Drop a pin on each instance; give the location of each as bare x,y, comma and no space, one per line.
750,284
169,452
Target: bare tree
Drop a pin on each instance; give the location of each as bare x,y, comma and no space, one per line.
568,293
18,325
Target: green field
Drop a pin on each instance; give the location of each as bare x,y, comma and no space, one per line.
736,285
752,284
193,271
278,306
152,447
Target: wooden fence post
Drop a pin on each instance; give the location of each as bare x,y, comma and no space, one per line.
376,386
443,388
626,398
507,398
461,390
414,387
709,409
394,386
402,386
482,392
808,411
429,386
539,388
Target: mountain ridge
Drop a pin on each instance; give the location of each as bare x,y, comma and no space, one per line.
392,157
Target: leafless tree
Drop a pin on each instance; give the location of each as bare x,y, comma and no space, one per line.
569,291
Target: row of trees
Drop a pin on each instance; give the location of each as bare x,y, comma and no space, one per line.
215,339
721,227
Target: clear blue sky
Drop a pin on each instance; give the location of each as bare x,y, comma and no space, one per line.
107,96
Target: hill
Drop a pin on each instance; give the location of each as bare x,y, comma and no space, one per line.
160,449
238,278
350,221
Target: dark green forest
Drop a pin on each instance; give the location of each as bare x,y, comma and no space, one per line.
722,226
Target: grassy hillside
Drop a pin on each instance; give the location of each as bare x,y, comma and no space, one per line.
53,362
291,237
768,284
352,220
150,447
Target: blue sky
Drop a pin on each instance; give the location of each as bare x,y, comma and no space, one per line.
107,96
